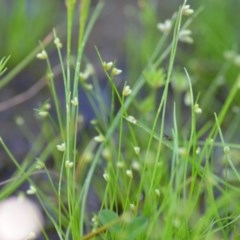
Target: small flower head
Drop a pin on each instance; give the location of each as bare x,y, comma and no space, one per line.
95,222
106,176
19,120
115,71
129,173
131,119
188,99
198,150
136,165
136,149
88,86
32,190
197,109
42,55
226,150
107,65
157,192
100,138
186,10
126,91
74,101
182,151
165,27
106,153
43,113
69,164
61,147
121,164
185,36
89,70
39,164
58,43
132,206
87,157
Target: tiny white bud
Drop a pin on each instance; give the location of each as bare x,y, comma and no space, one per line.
185,36
32,190
74,101
132,206
129,173
61,147
182,151
186,10
106,177
197,109
165,27
68,164
136,150
116,71
106,153
89,70
47,106
126,91
198,150
157,192
88,86
39,164
19,120
120,164
42,55
58,43
136,165
131,119
107,65
99,138
226,149
188,99
43,114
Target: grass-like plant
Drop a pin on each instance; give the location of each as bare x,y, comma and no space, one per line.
159,166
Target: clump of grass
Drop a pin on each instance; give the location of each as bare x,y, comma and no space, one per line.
157,172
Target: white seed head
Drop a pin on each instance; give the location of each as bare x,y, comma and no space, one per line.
107,65
165,27
43,113
99,138
185,36
58,43
32,190
19,120
121,164
136,165
157,192
126,91
186,10
129,173
136,150
197,109
226,149
116,71
74,101
131,119
42,55
69,164
39,164
106,176
61,147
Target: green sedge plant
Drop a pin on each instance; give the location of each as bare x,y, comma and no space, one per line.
154,173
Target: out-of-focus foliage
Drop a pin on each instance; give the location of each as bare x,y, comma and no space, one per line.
23,23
